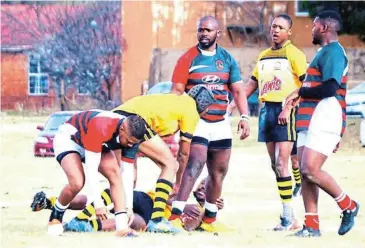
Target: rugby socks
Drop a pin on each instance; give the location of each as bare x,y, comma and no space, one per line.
286,191
345,202
296,174
96,224
87,213
105,195
312,221
210,213
177,209
58,211
163,189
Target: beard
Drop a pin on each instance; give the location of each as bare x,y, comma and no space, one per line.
316,40
207,44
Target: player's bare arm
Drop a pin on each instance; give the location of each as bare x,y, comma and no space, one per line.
178,88
240,99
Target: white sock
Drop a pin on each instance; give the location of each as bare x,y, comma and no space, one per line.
212,207
179,205
287,210
59,207
121,221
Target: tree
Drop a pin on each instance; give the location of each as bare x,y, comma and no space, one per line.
352,13
79,43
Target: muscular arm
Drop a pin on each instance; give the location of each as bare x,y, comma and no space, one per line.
249,88
182,159
324,90
239,97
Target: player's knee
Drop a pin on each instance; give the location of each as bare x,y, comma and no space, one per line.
218,174
76,185
308,174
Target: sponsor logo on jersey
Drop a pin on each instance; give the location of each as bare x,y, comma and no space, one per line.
219,64
211,79
273,85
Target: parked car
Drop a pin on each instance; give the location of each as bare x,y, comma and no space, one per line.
43,143
355,101
172,141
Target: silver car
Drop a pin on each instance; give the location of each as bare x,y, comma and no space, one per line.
355,101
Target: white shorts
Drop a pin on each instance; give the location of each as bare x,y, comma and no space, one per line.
62,143
214,135
322,142
324,131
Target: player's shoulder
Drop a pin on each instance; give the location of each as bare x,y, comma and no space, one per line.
225,53
190,54
293,51
108,114
263,53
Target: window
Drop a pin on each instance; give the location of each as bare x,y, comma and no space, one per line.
301,8
38,79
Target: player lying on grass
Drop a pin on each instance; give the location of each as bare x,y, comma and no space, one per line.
86,220
165,114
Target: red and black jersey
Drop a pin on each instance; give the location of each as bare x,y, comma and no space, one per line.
94,128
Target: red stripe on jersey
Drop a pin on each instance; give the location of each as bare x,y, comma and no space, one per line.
220,97
218,107
311,84
344,79
127,160
181,71
305,111
213,118
303,123
341,92
302,99
342,103
200,75
313,72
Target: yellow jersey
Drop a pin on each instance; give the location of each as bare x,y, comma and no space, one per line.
165,113
279,72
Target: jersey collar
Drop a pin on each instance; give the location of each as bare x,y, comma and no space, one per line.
288,42
208,53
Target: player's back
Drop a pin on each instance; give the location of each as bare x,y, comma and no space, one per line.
162,112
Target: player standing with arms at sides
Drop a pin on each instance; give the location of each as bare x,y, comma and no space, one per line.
279,71
321,123
209,64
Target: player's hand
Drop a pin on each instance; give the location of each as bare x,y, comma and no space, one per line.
292,98
220,203
192,210
131,216
337,147
101,213
243,129
284,117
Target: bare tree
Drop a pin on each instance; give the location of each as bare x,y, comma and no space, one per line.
79,43
253,20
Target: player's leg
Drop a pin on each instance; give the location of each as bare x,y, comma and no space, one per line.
295,170
217,165
157,150
71,165
41,201
194,167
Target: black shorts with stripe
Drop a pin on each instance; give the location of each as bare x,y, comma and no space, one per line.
149,132
269,128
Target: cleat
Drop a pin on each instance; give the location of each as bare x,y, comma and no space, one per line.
177,223
307,232
55,228
163,226
297,190
76,225
348,220
286,225
40,202
205,227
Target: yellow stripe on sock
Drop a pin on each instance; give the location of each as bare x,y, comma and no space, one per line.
286,192
163,186
106,198
91,210
286,200
159,204
158,214
285,184
82,216
95,225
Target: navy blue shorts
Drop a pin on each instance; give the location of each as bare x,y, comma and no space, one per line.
294,151
269,128
142,205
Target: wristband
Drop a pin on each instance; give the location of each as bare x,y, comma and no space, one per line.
245,117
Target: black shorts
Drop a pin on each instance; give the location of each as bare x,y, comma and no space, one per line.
149,132
294,150
269,128
142,205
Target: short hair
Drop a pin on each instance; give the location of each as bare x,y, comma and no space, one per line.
136,126
331,16
287,18
203,97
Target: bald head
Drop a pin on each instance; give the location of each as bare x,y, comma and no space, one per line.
208,33
209,19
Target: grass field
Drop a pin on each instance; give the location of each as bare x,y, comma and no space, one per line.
252,202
